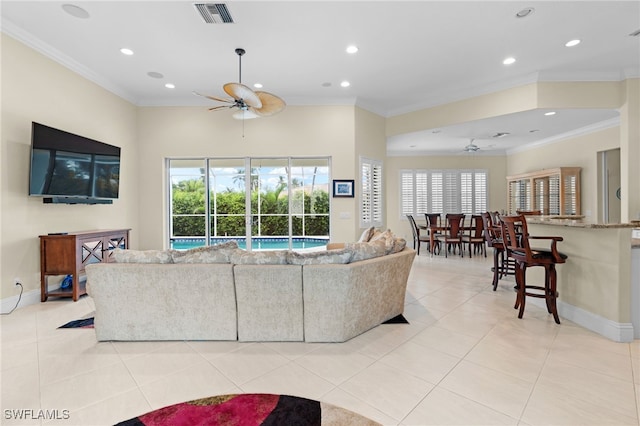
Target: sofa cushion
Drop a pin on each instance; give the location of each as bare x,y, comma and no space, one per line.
218,253
320,257
271,257
141,256
363,251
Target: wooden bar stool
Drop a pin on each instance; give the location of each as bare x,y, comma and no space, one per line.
516,240
502,265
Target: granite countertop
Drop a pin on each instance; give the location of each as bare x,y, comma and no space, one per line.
579,222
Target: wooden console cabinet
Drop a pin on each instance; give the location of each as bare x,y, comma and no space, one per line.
70,253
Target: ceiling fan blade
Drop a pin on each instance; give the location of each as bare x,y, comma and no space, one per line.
220,107
213,98
271,104
241,92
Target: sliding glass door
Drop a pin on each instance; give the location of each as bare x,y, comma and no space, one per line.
263,203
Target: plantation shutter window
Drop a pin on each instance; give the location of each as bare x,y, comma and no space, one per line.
371,202
414,192
443,191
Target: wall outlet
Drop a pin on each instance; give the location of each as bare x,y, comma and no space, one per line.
17,280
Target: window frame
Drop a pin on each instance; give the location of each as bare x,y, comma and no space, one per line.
445,184
294,168
371,198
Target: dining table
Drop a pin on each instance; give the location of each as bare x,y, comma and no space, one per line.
434,230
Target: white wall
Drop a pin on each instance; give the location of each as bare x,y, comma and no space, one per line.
581,151
35,88
196,132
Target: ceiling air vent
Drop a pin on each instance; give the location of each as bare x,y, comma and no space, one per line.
214,13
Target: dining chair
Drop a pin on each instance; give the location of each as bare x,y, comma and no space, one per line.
475,236
417,238
452,235
517,244
433,219
529,212
433,223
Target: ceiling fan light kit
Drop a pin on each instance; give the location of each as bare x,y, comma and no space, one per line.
249,104
471,147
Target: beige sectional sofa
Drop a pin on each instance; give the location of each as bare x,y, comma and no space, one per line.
225,293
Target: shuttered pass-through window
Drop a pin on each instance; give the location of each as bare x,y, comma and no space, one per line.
371,202
443,191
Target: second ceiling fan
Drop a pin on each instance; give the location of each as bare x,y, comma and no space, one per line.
250,104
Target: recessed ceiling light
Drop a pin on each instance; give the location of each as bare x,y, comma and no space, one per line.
572,43
170,86
525,12
154,74
126,51
550,113
501,134
510,60
76,11
258,85
352,49
345,84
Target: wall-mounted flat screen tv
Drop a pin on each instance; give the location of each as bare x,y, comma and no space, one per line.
71,168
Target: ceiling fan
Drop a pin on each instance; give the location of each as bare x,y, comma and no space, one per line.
471,147
249,104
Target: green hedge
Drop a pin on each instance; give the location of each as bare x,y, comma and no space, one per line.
188,207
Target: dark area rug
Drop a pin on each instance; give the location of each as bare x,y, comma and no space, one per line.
81,323
400,319
250,409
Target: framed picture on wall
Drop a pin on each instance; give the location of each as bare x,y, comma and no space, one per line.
342,188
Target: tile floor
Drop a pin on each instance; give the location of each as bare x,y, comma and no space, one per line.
464,359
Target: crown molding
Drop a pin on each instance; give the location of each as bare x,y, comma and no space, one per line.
12,30
602,125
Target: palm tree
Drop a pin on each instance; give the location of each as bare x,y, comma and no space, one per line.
239,179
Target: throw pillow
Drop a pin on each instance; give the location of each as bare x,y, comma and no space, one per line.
219,253
364,251
263,257
367,234
320,257
386,236
399,244
141,256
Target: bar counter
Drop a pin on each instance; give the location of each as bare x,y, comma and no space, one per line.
599,285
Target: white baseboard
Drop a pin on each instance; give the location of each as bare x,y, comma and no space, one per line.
28,298
616,331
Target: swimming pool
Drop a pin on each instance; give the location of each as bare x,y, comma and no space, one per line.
257,243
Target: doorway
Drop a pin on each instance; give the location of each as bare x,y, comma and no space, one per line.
609,207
